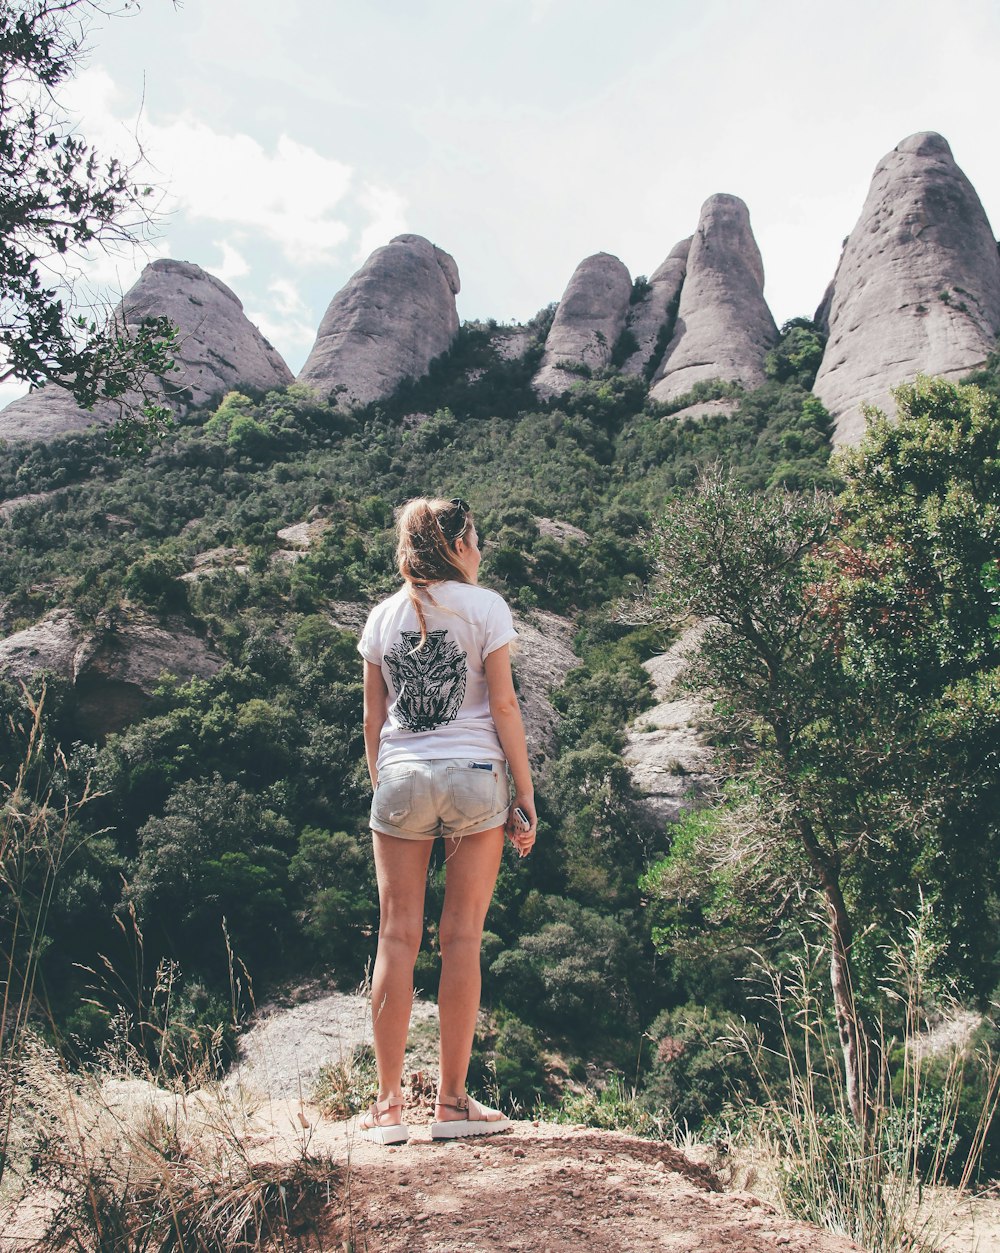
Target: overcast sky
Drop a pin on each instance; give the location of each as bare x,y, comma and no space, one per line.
290,138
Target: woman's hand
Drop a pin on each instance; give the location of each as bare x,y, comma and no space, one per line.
522,837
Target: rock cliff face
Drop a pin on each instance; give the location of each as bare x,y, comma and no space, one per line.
590,317
651,320
724,327
917,289
387,324
218,349
113,670
670,764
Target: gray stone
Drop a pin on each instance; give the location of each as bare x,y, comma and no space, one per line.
917,289
387,324
724,327
541,657
218,349
562,532
666,754
590,317
651,320
113,668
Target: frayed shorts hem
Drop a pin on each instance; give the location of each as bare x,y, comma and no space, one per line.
498,820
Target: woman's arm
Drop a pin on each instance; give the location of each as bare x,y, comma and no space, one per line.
376,709
510,728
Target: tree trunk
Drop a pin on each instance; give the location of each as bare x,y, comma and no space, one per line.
848,1029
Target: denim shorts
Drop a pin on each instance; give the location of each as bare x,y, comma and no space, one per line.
418,800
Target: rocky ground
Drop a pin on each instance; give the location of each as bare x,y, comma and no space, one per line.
538,1186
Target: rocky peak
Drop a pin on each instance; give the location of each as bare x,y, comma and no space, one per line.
724,327
917,289
387,324
651,319
218,349
588,322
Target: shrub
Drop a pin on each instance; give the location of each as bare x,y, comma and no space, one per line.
697,1067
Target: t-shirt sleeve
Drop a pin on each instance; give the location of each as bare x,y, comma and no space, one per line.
370,644
499,627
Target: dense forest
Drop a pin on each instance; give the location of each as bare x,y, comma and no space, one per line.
223,843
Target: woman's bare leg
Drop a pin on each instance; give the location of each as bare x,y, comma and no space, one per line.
471,868
401,866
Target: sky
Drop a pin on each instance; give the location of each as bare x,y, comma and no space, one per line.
287,139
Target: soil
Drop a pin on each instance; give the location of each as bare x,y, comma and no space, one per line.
537,1186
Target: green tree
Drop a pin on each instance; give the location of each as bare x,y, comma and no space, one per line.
856,685
59,197
912,602
746,564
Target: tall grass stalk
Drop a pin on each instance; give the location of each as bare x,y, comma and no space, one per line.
34,845
874,1183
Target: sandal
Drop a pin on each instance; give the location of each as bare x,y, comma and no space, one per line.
372,1127
483,1121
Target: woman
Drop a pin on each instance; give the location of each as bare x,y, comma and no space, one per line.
442,728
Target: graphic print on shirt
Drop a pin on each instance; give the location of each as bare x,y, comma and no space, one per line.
430,682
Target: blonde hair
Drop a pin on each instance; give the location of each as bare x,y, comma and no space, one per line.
425,548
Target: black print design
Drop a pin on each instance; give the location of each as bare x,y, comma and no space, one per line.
430,682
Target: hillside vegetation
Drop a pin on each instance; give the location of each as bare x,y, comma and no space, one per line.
224,838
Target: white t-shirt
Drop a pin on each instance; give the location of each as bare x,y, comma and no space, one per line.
438,699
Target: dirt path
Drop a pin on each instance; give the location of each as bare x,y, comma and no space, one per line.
544,1188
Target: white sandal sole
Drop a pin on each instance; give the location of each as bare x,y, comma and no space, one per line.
461,1127
398,1134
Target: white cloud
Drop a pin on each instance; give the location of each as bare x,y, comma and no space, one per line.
11,391
233,263
291,195
387,212
288,196
287,319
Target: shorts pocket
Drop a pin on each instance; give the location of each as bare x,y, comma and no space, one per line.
393,798
475,794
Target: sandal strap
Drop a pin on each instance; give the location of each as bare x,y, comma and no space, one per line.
460,1103
379,1109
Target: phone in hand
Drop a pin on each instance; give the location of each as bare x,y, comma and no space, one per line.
522,817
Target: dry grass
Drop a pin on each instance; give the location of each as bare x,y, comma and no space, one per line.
878,1184
101,1162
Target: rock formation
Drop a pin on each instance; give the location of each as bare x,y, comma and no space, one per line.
917,289
651,320
387,324
542,656
590,317
724,327
113,669
670,764
218,349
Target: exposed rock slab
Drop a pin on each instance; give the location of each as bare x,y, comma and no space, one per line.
511,343
387,324
562,532
722,407
113,668
670,764
286,1046
651,320
9,507
588,322
724,327
542,656
917,289
218,349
